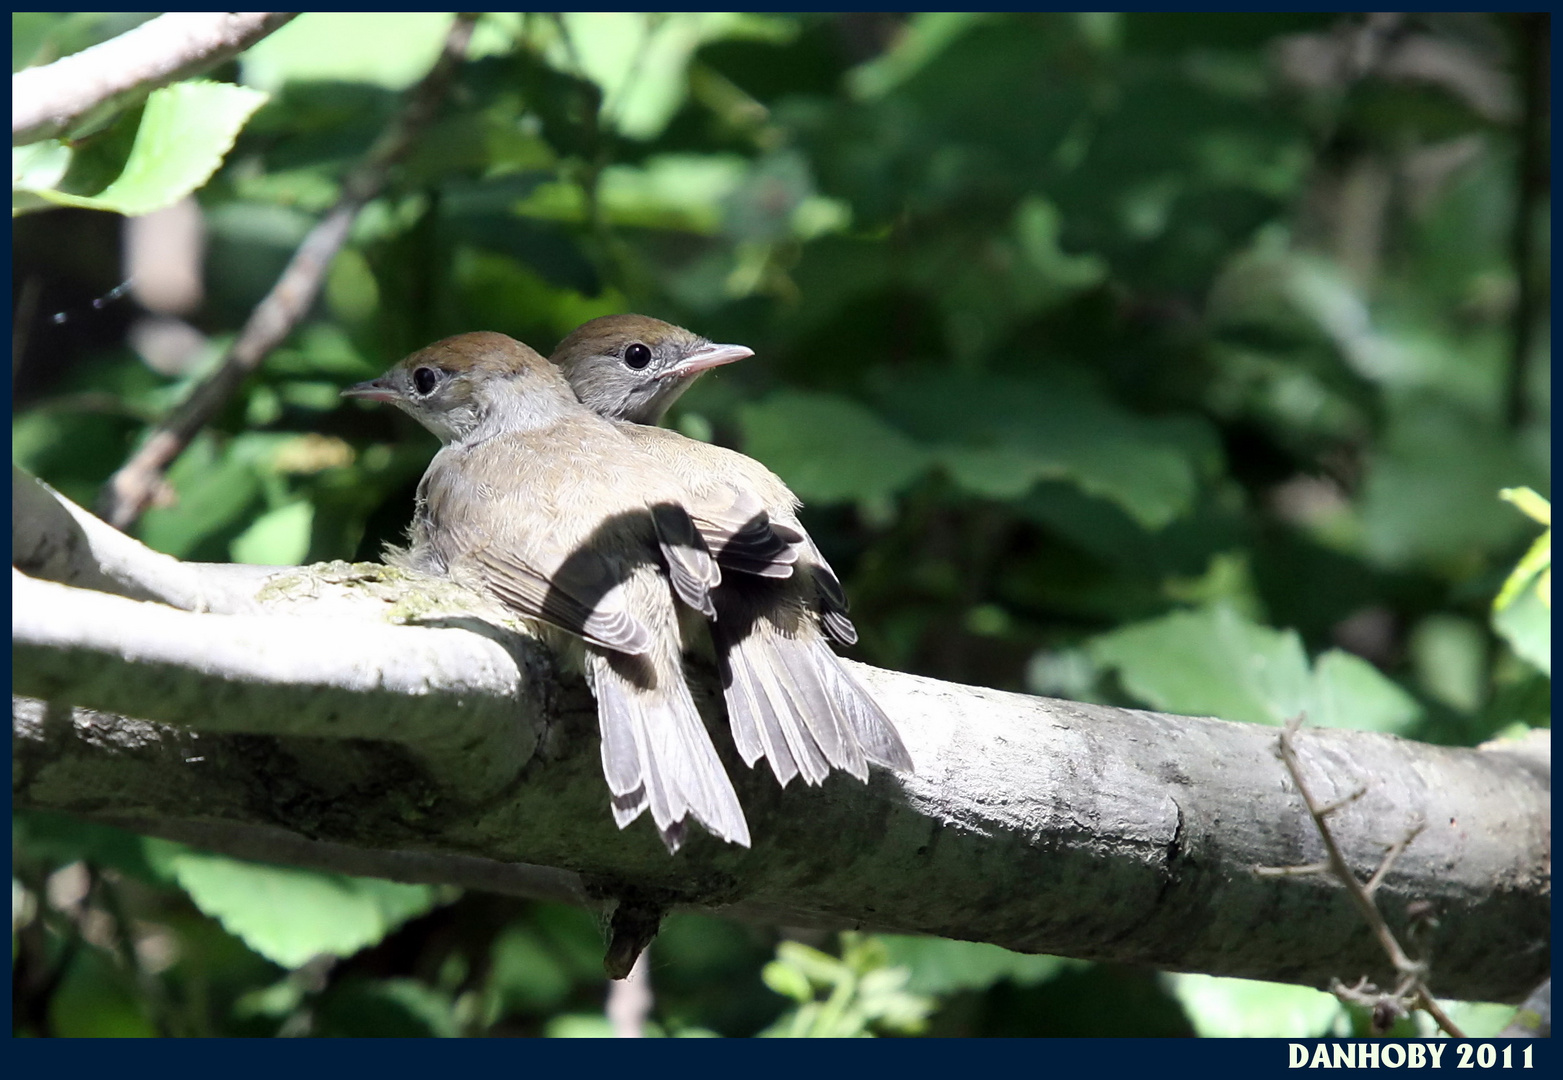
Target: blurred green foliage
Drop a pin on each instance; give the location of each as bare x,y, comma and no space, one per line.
1164,360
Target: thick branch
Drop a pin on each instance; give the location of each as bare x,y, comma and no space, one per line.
54,539
321,733
130,490
453,697
49,101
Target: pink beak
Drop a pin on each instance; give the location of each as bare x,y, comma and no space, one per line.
705,358
373,390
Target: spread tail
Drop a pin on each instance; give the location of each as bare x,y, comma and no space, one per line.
791,701
657,754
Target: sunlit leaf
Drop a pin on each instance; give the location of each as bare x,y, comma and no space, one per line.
277,538
1215,662
290,915
392,49
1247,1008
186,130
1526,624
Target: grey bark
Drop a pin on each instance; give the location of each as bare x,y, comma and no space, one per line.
1036,824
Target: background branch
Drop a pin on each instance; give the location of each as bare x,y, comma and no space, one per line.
130,490
49,101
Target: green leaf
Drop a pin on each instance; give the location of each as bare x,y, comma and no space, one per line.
526,973
386,1008
579,1026
943,966
1531,505
216,488
1428,494
1214,662
277,538
1526,624
95,1000
1536,562
999,435
640,60
1222,1008
787,980
38,166
1449,655
1349,692
828,448
186,130
290,915
389,49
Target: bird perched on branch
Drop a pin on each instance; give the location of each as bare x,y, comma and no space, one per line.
555,512
789,698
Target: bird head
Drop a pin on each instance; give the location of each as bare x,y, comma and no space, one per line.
632,367
463,385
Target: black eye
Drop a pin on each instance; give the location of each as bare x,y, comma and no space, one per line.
637,356
424,380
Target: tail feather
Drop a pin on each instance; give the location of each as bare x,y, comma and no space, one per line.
792,701
812,764
874,730
757,731
824,716
657,755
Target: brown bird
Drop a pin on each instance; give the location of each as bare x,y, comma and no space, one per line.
556,513
789,698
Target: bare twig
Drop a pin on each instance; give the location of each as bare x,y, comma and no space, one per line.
131,490
1306,870
1413,973
51,100
1391,855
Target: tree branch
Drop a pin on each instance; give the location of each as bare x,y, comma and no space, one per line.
131,490
49,101
1040,825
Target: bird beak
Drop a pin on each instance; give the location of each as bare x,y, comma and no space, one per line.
373,390
705,358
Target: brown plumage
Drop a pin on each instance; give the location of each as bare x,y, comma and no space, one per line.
789,698
555,512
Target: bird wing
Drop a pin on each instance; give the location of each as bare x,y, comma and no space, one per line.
832,597
691,568
583,596
744,537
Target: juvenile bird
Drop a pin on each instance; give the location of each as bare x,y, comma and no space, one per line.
789,698
556,513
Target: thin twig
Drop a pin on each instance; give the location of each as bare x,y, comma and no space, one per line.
1326,811
1391,855
1306,870
1413,973
131,490
51,100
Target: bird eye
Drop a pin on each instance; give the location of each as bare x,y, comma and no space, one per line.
637,356
424,380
